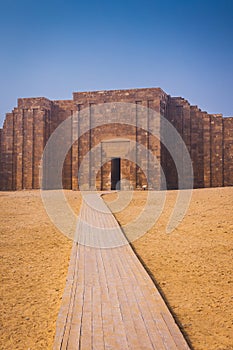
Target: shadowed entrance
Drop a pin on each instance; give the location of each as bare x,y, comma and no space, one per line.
115,173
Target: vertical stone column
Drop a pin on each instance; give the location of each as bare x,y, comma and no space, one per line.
141,139
154,178
228,151
216,141
67,166
46,130
38,145
200,151
186,125
8,152
19,148
94,159
3,161
178,123
194,143
206,149
130,170
97,135
14,153
197,146
96,120
27,148
165,156
173,113
169,167
75,136
186,135
84,146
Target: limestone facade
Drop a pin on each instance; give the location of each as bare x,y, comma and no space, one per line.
208,137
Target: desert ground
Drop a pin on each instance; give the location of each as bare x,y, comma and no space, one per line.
192,266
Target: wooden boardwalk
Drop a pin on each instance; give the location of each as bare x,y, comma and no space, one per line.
109,301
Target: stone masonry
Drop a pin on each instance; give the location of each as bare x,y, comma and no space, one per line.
208,137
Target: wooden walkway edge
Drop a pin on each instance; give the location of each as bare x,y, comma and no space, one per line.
110,302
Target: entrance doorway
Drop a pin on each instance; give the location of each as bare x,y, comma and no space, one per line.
115,173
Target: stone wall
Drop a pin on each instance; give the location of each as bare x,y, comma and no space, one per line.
208,138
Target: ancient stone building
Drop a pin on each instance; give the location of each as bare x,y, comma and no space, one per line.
208,137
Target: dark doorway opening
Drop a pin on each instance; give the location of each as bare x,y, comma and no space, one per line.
115,173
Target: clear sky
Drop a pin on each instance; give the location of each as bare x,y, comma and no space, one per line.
52,48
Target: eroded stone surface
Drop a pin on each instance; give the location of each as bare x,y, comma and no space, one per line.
209,140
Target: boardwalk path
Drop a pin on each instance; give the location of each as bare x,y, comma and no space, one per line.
110,301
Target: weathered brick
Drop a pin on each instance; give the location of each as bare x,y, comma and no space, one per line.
208,138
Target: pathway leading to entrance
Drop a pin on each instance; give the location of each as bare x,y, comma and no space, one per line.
109,301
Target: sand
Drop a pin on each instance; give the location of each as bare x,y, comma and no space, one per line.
35,258
191,266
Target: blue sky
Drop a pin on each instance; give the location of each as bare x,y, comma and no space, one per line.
53,48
